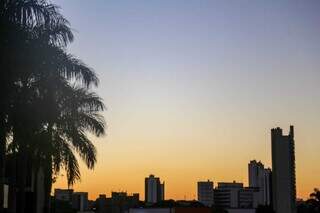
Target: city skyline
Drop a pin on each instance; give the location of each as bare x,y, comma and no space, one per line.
245,181
266,187
201,87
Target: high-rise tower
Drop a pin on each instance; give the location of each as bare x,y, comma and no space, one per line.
283,171
154,190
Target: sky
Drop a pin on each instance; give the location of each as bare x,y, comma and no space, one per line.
193,87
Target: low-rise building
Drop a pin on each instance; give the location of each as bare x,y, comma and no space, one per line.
67,198
226,195
101,204
234,195
80,201
63,195
119,202
249,197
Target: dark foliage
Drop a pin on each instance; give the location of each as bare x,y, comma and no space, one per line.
312,205
46,103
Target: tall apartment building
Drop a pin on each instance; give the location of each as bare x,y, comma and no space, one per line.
154,190
260,178
205,192
283,171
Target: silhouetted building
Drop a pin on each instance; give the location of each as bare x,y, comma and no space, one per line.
260,177
119,202
80,201
162,191
234,195
226,195
63,195
283,174
101,204
77,201
205,192
154,190
248,197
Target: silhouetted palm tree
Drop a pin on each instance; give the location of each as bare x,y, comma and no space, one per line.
54,144
46,94
34,65
17,18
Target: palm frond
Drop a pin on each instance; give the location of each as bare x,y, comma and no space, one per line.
71,166
63,156
84,148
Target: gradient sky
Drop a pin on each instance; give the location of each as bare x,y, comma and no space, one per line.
194,87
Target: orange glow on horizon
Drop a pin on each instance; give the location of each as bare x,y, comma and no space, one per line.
123,168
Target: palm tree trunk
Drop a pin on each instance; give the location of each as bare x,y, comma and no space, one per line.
22,174
2,162
12,197
48,186
48,177
2,169
35,190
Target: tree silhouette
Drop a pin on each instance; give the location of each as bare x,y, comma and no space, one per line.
47,117
55,143
17,19
314,201
316,195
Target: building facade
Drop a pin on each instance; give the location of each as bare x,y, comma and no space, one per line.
235,196
248,197
154,189
162,191
119,202
63,195
283,171
101,204
226,195
260,178
205,192
80,201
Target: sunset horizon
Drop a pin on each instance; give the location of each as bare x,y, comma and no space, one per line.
186,106
188,94
176,189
